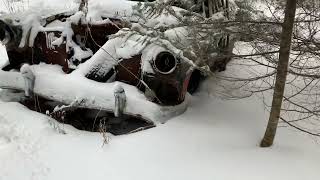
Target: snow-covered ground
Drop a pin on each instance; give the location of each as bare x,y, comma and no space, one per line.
214,139
3,55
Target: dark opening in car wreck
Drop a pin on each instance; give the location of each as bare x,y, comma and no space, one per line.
103,65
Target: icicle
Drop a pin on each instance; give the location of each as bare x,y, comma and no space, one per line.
120,100
29,79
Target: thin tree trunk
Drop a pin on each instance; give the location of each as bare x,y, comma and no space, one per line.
210,7
215,6
203,9
227,9
285,45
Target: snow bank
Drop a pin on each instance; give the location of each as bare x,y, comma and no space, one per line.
3,56
210,140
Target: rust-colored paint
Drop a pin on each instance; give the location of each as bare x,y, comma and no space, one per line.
54,54
99,33
129,70
170,88
41,52
185,86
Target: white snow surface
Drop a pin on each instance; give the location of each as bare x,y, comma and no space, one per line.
213,139
3,56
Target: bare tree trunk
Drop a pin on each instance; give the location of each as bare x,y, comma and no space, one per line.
210,7
285,45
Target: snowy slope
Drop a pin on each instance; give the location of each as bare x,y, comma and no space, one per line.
214,139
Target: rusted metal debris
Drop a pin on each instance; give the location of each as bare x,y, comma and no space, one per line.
44,52
169,84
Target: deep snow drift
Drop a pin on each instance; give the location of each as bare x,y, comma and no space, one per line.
214,139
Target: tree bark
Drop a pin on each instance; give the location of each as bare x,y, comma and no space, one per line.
282,69
210,7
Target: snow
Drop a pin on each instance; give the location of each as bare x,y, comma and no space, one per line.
124,45
43,7
29,79
213,139
3,56
52,83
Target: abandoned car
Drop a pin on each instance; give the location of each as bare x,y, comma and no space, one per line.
102,61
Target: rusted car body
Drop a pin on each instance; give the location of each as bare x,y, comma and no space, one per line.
167,86
43,51
170,87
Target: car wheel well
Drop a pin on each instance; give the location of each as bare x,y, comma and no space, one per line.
194,82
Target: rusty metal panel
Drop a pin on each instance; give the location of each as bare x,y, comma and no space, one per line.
52,54
129,70
99,33
43,52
